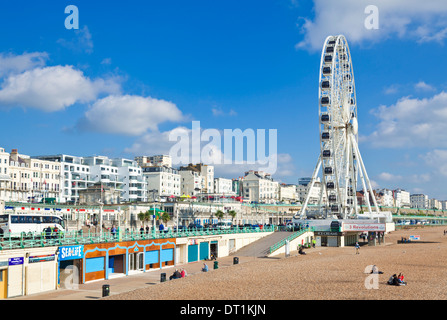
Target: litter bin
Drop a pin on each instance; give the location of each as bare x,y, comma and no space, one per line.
235,260
163,277
106,290
216,265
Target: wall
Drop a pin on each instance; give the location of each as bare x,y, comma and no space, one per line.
35,272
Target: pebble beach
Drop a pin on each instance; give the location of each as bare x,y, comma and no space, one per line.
324,273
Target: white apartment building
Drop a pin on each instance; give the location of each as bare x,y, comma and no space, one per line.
287,193
134,187
78,173
5,178
401,198
434,204
120,174
190,181
162,182
154,161
223,186
419,201
30,180
443,204
207,173
258,186
386,197
75,176
303,188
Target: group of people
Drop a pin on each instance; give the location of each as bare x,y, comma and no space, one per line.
50,232
397,280
178,274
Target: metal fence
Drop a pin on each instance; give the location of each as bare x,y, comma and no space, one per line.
21,241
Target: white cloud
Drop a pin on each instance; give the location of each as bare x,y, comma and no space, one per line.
437,159
128,114
389,177
13,64
423,21
422,86
53,88
411,122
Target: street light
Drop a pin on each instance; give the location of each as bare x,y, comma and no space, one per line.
100,216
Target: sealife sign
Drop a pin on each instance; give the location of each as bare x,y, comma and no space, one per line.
71,252
364,227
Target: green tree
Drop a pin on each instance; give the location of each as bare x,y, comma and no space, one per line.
220,214
233,214
144,216
165,217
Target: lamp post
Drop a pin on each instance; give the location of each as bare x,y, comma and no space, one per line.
100,217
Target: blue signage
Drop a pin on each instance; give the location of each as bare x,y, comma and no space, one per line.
15,261
71,252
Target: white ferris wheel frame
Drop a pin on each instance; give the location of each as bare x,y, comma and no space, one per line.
339,151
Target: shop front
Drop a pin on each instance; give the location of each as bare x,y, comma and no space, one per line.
328,239
70,266
108,260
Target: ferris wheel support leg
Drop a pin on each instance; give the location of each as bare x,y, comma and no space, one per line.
366,177
314,176
348,157
356,151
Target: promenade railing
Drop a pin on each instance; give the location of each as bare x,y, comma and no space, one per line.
35,240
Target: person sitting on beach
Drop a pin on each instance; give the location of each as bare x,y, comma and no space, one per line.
300,250
394,281
205,268
175,275
183,273
400,279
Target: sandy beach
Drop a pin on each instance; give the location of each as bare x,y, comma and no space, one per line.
324,273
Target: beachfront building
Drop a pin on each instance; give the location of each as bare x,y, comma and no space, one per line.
303,188
434,204
190,180
259,187
224,186
134,187
386,198
154,161
99,193
79,173
162,182
5,178
401,198
75,176
419,201
30,180
287,193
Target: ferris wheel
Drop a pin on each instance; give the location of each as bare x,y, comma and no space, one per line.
340,161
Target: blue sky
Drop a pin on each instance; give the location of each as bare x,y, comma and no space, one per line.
156,66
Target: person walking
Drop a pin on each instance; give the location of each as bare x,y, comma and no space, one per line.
357,248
